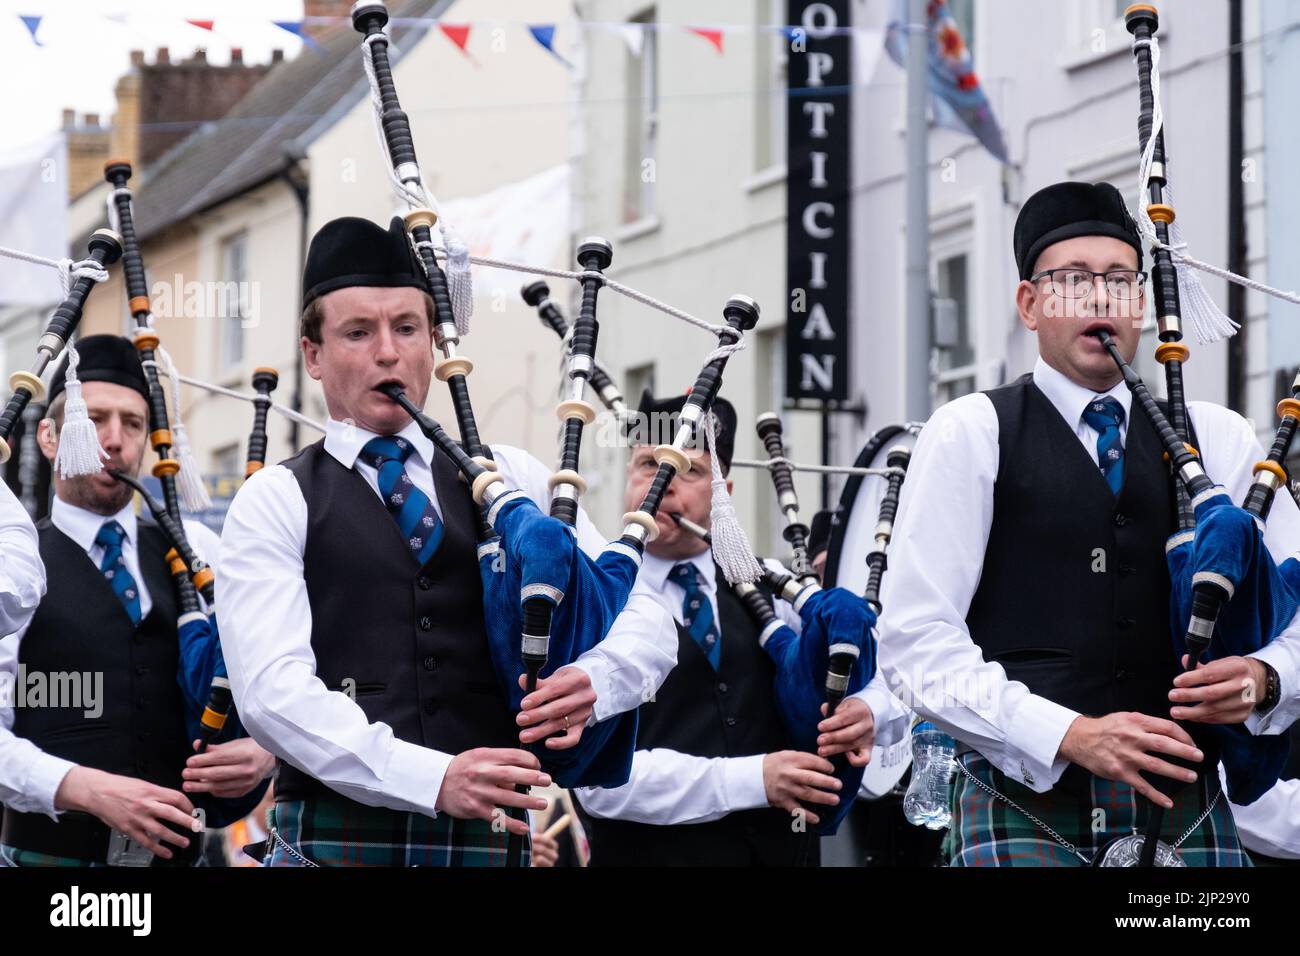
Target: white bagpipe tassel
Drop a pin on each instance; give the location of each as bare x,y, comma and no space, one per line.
731,548
194,496
460,280
80,452
1199,310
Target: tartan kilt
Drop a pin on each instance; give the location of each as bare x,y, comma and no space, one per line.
335,831
12,856
986,831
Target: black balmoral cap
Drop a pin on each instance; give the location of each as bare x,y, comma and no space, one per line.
654,409
355,252
1066,211
103,358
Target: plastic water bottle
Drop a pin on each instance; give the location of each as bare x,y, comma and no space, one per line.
926,803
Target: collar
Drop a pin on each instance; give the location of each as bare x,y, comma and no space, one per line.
1070,399
82,526
655,570
345,442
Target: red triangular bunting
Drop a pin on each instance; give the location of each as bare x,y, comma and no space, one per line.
713,36
201,24
457,34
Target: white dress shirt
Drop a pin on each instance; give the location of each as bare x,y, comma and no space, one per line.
22,574
266,635
1270,825
29,777
937,555
669,787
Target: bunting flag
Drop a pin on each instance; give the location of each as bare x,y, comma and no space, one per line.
956,95
544,33
32,24
633,35
713,36
202,24
457,33
295,27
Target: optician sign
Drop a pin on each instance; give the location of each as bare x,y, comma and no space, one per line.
818,132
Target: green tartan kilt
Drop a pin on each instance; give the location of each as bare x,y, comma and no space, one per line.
986,831
340,832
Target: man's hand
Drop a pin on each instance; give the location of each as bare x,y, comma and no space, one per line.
479,781
565,694
851,729
1220,692
135,807
1117,747
546,850
231,769
793,779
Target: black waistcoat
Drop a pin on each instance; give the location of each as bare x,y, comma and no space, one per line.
407,641
82,626
726,713
1073,598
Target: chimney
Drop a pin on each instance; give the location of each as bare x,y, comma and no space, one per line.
173,98
338,10
277,56
88,148
137,57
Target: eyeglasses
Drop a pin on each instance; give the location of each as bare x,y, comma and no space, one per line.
1079,283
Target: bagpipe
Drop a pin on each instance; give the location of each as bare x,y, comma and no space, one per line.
856,523
546,602
833,655
1217,549
201,672
27,385
538,295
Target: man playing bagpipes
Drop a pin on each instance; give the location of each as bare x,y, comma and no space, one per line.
353,608
108,777
715,781
1029,596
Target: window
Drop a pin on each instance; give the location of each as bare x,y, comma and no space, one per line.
234,309
638,380
227,460
952,356
771,63
770,369
642,122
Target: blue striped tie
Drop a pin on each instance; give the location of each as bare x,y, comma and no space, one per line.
1105,415
110,538
410,507
697,612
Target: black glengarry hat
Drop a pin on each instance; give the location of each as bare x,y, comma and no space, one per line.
103,358
653,410
356,252
1066,211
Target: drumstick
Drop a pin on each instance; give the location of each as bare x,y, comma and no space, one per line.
559,826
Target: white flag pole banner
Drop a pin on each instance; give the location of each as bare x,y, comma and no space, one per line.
524,221
33,218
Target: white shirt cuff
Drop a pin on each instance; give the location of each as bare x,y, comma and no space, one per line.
1035,732
742,783
1284,714
597,668
414,777
892,721
47,773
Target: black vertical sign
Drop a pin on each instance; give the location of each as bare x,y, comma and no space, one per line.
818,203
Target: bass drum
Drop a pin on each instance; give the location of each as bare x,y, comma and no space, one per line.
853,527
